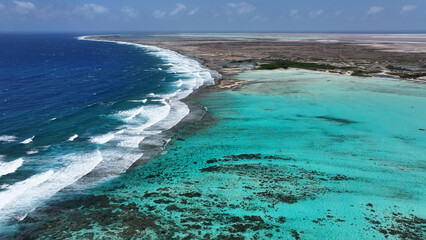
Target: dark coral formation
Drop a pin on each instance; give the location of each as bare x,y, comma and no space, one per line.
188,208
396,224
337,120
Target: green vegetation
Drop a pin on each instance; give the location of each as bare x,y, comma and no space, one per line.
243,61
405,73
361,73
409,75
391,67
292,64
275,65
284,64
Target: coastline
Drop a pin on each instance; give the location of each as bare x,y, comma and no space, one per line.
357,55
272,159
154,141
154,144
239,171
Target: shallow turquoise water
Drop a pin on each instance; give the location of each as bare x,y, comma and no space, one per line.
289,154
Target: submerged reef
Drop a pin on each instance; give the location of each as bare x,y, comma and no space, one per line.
270,161
186,208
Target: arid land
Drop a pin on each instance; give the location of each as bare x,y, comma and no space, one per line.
396,56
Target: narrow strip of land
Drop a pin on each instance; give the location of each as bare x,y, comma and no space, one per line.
357,55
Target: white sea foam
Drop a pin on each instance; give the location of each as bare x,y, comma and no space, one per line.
102,139
138,120
45,147
152,113
19,188
32,152
124,154
28,140
118,150
116,161
179,83
43,186
73,137
82,38
139,101
21,217
147,120
7,138
10,167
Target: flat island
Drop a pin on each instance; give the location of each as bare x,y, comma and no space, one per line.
387,55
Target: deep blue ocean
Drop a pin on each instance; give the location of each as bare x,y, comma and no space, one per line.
71,108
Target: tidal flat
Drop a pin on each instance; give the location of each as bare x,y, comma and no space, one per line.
287,154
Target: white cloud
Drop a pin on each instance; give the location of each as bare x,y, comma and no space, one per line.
375,10
50,12
129,12
91,9
258,19
408,8
24,7
159,14
179,8
338,12
294,12
1,5
316,13
194,11
241,7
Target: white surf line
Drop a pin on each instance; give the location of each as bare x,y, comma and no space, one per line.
8,138
179,83
10,167
28,140
32,152
35,190
19,188
73,137
136,121
102,139
139,101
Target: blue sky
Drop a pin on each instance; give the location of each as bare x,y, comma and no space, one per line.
213,16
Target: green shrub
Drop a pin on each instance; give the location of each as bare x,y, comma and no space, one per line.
292,64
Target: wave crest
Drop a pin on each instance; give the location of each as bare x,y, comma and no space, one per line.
8,138
10,167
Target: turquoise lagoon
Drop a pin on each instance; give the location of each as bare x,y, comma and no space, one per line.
289,154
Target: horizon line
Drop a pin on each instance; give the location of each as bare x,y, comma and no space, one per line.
206,32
